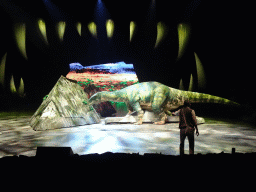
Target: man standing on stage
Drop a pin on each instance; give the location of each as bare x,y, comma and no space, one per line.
187,126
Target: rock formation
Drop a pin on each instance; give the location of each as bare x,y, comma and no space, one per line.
65,106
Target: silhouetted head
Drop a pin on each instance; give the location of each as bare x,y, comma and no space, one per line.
187,103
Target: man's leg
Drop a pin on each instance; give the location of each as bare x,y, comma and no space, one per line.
182,141
191,140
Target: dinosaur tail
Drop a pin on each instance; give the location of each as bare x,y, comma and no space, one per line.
195,97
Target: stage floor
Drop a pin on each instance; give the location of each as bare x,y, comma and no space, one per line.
18,138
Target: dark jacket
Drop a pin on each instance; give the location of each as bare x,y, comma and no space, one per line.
187,118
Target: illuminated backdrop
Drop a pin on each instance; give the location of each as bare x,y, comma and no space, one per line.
165,43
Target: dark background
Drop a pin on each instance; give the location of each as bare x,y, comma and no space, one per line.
222,35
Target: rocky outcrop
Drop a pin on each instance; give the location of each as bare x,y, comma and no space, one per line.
66,105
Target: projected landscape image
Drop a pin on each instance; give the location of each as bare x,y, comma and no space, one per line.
105,77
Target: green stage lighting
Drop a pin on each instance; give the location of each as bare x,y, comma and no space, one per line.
161,30
79,28
181,87
110,28
183,35
21,87
42,28
61,29
12,86
2,70
132,28
20,37
191,83
200,73
93,29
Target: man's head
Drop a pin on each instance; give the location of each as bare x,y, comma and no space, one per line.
187,103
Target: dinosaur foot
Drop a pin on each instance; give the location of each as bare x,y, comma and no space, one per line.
138,123
159,123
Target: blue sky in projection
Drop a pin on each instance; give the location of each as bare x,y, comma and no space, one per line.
118,68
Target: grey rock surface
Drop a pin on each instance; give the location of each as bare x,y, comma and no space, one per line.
67,105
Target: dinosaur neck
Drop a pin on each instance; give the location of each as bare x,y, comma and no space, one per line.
116,96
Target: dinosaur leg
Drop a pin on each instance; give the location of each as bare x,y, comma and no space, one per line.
162,119
129,108
158,101
136,107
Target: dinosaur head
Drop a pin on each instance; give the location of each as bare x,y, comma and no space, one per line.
95,99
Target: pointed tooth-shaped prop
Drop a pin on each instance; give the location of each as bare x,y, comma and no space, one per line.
61,26
200,73
79,28
20,37
12,86
161,32
42,28
132,28
181,87
21,88
183,35
191,83
2,70
110,28
93,29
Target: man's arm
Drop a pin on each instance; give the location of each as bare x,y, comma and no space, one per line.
176,113
195,122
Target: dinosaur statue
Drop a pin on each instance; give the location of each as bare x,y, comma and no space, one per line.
156,97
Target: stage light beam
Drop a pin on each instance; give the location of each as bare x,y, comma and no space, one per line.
21,88
161,31
132,28
200,73
110,28
79,28
2,70
61,26
181,87
93,29
12,86
20,37
191,83
183,35
42,28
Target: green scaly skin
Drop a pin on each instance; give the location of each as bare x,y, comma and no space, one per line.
156,97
